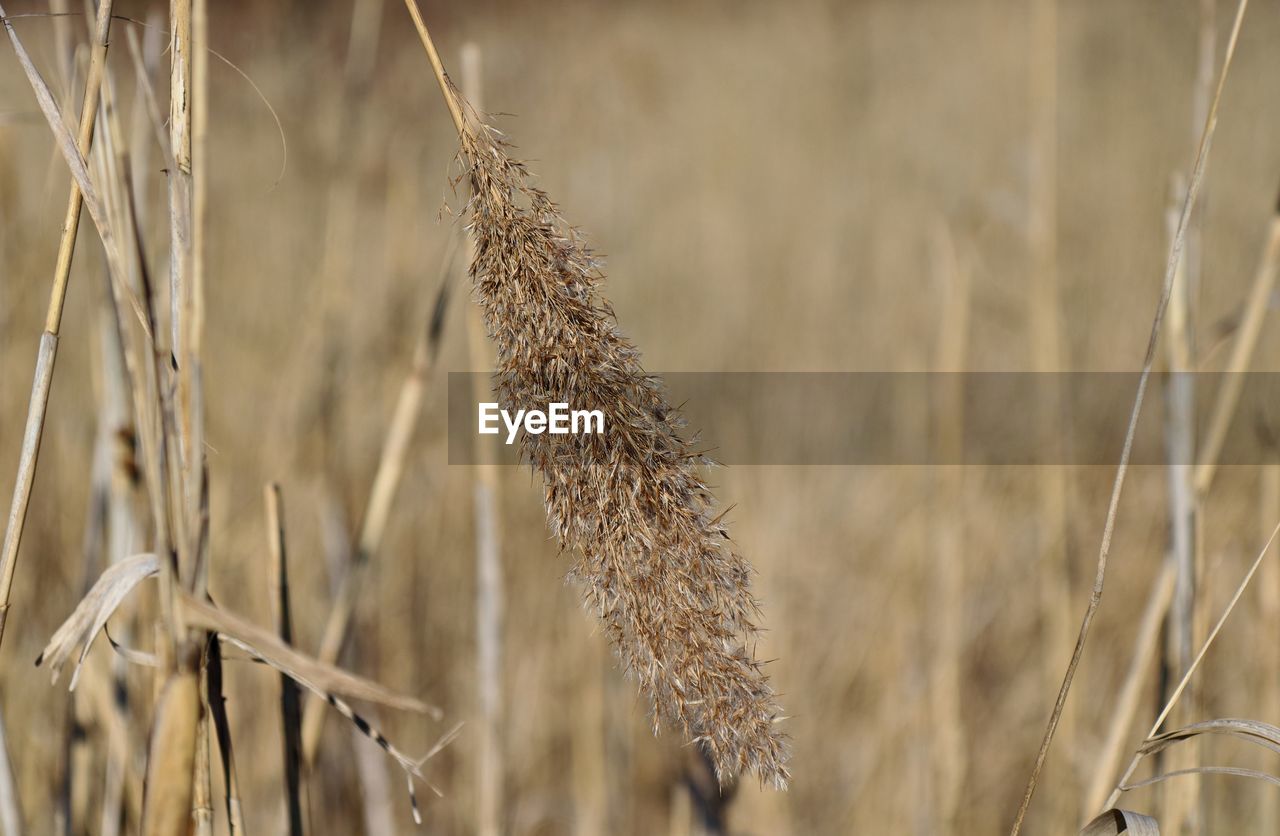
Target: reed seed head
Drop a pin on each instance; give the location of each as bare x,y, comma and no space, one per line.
653,557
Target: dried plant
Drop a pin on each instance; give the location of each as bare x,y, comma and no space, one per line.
653,556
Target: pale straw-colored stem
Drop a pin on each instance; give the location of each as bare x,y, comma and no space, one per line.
180,174
948,752
202,783
48,351
166,808
446,87
1266,628
1044,328
1179,415
487,501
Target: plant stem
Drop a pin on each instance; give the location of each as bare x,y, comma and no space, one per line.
46,357
446,86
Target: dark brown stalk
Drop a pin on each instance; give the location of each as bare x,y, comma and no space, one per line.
290,698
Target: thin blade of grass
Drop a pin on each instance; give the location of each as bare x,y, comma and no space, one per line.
1205,770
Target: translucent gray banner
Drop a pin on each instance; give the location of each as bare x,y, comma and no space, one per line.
926,418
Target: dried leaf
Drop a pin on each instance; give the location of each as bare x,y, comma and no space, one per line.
306,670
91,614
1114,822
65,141
1205,770
1251,731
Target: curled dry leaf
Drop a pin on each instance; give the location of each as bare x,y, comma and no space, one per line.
91,614
1251,731
1114,822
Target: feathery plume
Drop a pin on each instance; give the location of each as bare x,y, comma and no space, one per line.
655,560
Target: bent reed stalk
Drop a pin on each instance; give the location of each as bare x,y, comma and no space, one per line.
653,557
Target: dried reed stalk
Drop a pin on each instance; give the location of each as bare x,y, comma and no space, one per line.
947,593
1188,612
48,351
115,454
592,770
1181,806
191,377
180,175
202,782
166,806
488,534
1267,627
654,558
1045,329
222,726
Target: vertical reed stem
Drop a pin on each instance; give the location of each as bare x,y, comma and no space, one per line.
1267,629
1179,804
488,543
946,726
1044,326
47,355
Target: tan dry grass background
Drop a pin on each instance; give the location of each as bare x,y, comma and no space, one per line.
765,180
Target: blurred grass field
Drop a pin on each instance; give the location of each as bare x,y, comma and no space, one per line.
766,183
